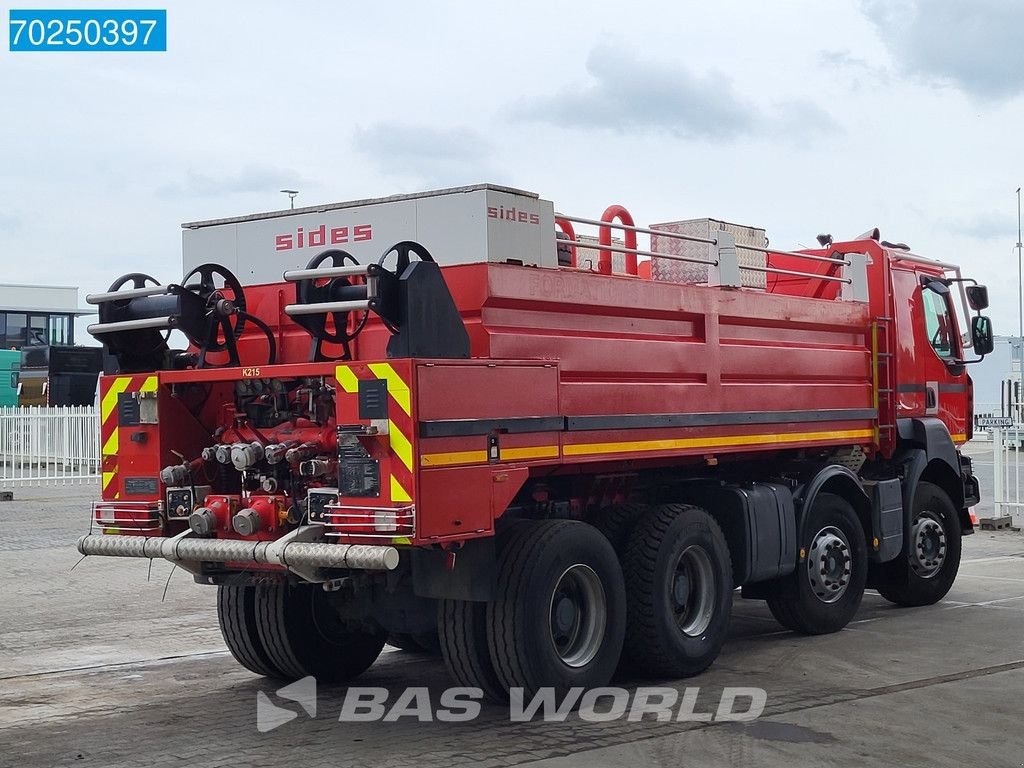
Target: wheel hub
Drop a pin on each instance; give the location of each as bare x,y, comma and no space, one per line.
566,614
681,589
829,563
578,615
693,591
928,539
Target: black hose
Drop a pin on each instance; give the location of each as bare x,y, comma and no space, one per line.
271,341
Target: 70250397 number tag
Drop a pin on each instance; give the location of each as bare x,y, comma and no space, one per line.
70,30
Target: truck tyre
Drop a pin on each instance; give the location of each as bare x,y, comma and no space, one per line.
236,614
462,629
559,612
825,591
926,569
616,522
303,634
678,592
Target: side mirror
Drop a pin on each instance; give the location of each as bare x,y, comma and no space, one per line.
981,335
977,297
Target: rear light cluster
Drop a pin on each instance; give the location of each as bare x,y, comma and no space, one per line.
349,520
128,517
358,520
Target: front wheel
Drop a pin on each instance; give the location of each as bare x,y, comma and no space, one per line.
825,591
926,568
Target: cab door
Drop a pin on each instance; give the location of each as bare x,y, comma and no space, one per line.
931,379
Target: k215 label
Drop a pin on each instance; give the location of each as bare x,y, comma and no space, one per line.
88,30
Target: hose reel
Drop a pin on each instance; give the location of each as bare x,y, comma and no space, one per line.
339,293
208,307
412,301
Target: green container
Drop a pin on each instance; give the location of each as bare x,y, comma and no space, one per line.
10,362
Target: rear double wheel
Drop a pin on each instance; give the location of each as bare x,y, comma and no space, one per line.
678,577
291,631
462,631
236,614
825,591
559,613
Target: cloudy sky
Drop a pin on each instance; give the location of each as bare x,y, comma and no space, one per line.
799,116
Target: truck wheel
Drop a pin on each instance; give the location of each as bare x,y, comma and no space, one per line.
304,634
678,592
462,629
926,573
558,616
616,522
825,591
236,614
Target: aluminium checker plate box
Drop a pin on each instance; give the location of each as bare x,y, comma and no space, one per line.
674,271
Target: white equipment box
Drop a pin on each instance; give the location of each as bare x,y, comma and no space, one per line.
463,225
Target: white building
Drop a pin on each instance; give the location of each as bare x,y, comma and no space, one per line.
38,314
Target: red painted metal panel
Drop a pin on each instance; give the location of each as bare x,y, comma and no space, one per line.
485,391
462,502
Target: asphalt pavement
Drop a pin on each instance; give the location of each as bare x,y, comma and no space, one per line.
109,662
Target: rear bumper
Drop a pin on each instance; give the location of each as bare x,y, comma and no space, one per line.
289,552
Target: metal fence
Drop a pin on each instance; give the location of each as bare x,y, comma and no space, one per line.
49,446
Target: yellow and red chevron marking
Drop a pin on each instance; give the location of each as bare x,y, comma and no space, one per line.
400,480
111,388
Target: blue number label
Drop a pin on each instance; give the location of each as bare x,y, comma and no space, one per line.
88,30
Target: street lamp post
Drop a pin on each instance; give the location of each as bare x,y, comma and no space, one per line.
293,192
1018,348
1020,275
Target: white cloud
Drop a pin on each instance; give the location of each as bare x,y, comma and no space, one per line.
975,45
630,94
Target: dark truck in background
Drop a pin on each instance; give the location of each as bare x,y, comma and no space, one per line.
59,375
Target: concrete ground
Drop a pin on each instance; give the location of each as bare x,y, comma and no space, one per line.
109,663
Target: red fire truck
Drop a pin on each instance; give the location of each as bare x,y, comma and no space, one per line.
431,417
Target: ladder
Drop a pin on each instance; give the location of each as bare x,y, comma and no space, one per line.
883,376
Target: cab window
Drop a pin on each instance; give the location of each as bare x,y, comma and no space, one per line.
938,323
